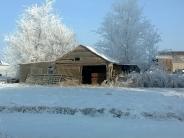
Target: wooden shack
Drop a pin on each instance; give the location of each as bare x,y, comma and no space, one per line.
87,66
82,65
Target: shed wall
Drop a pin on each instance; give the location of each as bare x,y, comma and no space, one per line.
34,68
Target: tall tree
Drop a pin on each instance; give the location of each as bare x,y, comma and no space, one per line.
40,36
128,35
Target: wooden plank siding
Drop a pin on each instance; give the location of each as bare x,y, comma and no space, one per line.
69,70
85,57
33,68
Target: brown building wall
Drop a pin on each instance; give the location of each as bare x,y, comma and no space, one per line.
72,72
34,68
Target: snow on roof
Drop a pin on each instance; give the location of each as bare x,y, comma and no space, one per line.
97,52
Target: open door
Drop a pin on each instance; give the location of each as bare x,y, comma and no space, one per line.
93,74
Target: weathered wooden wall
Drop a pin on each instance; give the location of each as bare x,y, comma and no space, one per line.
81,56
34,68
69,70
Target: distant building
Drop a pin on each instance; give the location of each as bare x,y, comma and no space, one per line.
3,68
172,61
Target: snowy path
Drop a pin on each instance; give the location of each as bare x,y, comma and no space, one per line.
29,112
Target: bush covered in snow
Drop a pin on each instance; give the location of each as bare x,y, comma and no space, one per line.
154,77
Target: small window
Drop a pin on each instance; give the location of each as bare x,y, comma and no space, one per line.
77,59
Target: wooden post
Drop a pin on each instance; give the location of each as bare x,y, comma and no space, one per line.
80,81
109,71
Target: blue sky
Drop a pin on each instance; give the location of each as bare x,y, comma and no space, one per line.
85,16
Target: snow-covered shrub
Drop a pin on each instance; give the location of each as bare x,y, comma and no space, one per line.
135,79
177,81
154,77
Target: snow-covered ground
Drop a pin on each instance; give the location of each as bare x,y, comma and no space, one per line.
60,126
80,112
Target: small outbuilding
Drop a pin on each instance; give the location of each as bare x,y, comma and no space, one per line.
87,66
82,65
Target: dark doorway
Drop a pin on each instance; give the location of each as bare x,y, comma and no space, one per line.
93,74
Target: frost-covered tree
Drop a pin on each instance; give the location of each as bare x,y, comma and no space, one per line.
40,36
127,35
